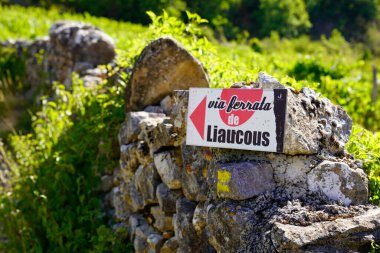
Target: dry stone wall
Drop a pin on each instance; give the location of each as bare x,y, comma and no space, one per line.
171,197
70,47
177,198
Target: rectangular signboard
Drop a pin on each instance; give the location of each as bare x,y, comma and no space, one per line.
250,119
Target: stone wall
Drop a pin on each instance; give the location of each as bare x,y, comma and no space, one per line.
177,198
171,197
71,47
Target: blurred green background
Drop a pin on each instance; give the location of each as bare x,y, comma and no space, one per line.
231,18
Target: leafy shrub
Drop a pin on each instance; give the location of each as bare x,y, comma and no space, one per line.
309,68
354,16
288,17
53,204
365,145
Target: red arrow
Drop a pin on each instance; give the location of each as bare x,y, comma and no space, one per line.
198,117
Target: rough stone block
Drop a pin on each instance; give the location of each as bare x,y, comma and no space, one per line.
199,218
162,222
130,129
155,242
183,226
167,198
178,114
131,156
151,82
147,180
339,182
313,124
187,237
134,221
194,175
243,180
122,210
168,164
170,246
341,235
167,104
290,172
140,242
133,198
154,109
266,81
226,224
159,135
73,42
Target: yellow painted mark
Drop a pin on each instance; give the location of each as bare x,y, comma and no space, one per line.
222,187
204,171
224,176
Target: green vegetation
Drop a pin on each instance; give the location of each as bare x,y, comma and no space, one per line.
230,18
365,146
53,205
28,23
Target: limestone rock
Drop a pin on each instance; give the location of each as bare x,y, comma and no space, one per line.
183,227
339,182
166,104
130,129
131,156
170,246
290,172
167,198
313,124
155,242
243,180
226,223
147,180
158,136
188,240
73,42
122,210
178,114
269,82
168,166
162,222
134,154
133,197
199,219
128,159
341,235
154,109
194,175
142,234
150,82
134,221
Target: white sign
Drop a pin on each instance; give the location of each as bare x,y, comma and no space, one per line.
251,119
